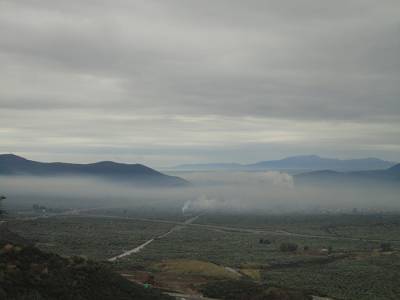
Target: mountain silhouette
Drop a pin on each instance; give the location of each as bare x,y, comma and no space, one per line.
302,162
390,175
13,165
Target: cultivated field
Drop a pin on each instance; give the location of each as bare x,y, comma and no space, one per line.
340,256
96,238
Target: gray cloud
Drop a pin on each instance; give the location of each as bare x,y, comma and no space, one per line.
199,75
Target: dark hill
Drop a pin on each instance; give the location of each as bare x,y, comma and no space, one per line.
28,273
11,164
7,236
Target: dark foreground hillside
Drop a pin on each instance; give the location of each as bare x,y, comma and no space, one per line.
28,273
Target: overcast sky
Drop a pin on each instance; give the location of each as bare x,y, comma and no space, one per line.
169,82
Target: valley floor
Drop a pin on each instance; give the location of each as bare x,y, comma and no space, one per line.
339,256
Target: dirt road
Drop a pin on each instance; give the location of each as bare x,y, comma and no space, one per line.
142,246
188,297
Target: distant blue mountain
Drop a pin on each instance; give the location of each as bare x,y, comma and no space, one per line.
305,162
208,167
390,175
315,162
395,169
13,165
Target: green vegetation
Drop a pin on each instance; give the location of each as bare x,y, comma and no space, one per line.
359,277
144,209
196,267
96,238
386,247
236,248
28,273
340,268
248,290
288,247
371,226
1,200
331,255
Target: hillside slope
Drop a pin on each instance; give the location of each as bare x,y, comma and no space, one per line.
135,173
28,273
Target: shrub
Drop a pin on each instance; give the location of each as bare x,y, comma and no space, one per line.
386,247
249,290
288,247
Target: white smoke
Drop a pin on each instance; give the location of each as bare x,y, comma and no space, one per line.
270,178
278,179
203,203
231,190
186,206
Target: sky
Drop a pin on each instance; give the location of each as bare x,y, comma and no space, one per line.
171,82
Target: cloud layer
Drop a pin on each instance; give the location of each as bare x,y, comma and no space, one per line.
190,81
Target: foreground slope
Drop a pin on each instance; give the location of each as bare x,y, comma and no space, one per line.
28,273
135,173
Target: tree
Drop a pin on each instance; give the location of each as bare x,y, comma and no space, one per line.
264,241
1,199
385,247
288,247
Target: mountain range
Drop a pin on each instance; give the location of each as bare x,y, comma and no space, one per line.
13,165
296,163
389,175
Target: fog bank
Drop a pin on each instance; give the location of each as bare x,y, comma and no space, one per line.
247,192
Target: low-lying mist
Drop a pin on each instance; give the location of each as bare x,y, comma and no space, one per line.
220,192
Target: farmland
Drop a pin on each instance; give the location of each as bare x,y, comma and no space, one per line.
336,255
96,238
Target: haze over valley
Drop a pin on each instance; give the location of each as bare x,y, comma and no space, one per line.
200,150
109,184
